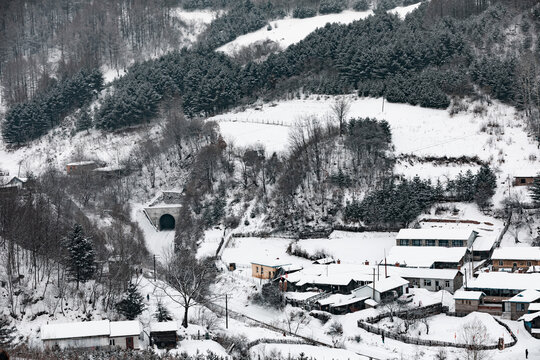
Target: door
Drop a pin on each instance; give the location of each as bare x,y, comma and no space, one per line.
129,343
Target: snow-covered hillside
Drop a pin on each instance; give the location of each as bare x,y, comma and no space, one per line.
496,134
286,32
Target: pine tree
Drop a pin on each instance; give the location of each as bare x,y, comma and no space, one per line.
535,190
162,313
485,185
6,332
132,304
84,120
80,259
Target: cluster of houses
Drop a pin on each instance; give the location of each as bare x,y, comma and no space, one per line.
104,333
499,281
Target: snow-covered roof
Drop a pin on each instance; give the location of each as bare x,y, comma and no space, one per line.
125,328
389,283
163,326
323,261
371,302
423,273
335,298
301,296
109,168
351,300
505,280
292,267
530,317
75,330
483,243
336,279
435,234
424,256
516,253
533,269
526,296
19,179
271,262
534,307
468,295
79,163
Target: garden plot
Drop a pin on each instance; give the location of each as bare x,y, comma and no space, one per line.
447,328
352,247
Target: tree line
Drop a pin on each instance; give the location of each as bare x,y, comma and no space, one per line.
397,204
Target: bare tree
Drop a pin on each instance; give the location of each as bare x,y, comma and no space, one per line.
474,335
191,278
335,331
295,320
341,108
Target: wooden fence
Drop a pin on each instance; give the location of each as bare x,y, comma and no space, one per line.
421,312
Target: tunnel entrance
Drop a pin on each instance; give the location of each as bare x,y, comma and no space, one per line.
166,222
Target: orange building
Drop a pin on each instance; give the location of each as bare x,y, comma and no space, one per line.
266,269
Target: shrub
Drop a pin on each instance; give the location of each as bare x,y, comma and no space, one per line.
361,5
303,12
332,6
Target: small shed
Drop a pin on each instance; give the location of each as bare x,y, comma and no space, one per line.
164,334
77,168
88,334
523,180
17,182
384,290
467,301
531,322
125,334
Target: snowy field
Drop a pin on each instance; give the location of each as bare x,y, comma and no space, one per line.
497,136
262,351
449,328
286,32
352,247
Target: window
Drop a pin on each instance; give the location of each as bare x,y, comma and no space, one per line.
257,269
520,307
427,282
430,242
447,283
457,243
522,181
443,242
501,263
111,342
529,263
403,242
417,242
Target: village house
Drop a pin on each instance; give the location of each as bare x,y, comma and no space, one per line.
435,257
515,258
125,334
501,286
17,182
92,334
436,237
467,301
164,334
80,167
430,279
531,320
339,304
342,283
524,180
268,268
519,305
482,247
384,290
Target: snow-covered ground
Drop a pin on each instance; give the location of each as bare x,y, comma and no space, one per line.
498,136
287,351
289,31
286,32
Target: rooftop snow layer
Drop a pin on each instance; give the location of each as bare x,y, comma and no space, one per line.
423,273
435,234
75,330
530,317
424,256
483,243
534,307
516,253
163,326
505,280
389,283
468,295
125,328
526,296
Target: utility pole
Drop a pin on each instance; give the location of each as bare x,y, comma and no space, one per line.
385,267
226,313
154,267
373,287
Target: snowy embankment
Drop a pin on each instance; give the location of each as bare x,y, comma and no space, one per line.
286,32
496,135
